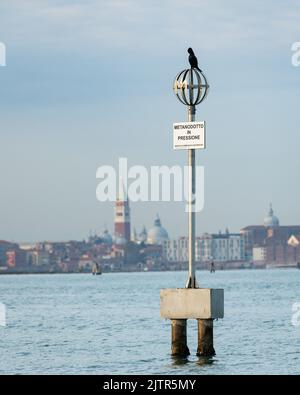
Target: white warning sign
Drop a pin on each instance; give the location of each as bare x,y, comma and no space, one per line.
189,135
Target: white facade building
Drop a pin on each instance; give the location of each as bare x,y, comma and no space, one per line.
228,247
220,247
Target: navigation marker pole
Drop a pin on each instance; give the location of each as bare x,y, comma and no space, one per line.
180,304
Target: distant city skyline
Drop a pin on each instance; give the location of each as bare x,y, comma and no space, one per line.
138,228
88,82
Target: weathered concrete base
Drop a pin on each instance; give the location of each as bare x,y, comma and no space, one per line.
185,303
202,304
205,338
179,338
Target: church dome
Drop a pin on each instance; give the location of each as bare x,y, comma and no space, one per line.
106,237
157,234
271,219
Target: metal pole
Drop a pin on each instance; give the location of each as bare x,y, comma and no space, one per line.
191,283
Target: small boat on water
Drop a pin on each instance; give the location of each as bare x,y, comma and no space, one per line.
96,270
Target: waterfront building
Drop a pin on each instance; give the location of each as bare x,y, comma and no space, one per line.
6,246
16,258
221,247
227,247
255,235
269,242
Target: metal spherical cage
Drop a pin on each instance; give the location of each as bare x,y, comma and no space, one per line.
191,87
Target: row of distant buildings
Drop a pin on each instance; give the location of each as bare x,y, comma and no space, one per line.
266,245
272,244
269,244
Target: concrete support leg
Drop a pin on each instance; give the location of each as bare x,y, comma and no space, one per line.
205,338
179,342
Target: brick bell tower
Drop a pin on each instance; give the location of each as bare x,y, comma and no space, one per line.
122,214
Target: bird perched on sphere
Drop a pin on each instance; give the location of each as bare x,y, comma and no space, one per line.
193,60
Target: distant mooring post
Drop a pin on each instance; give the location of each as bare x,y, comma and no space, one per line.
180,304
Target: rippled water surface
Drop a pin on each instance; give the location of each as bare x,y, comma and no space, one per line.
84,324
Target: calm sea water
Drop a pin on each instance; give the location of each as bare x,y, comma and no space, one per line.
84,324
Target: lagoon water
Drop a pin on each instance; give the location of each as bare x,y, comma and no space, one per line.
110,324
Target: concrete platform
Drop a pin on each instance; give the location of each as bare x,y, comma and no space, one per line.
185,303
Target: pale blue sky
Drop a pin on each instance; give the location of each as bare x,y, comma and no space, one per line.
89,81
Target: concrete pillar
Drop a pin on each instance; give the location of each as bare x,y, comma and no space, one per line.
179,342
205,338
